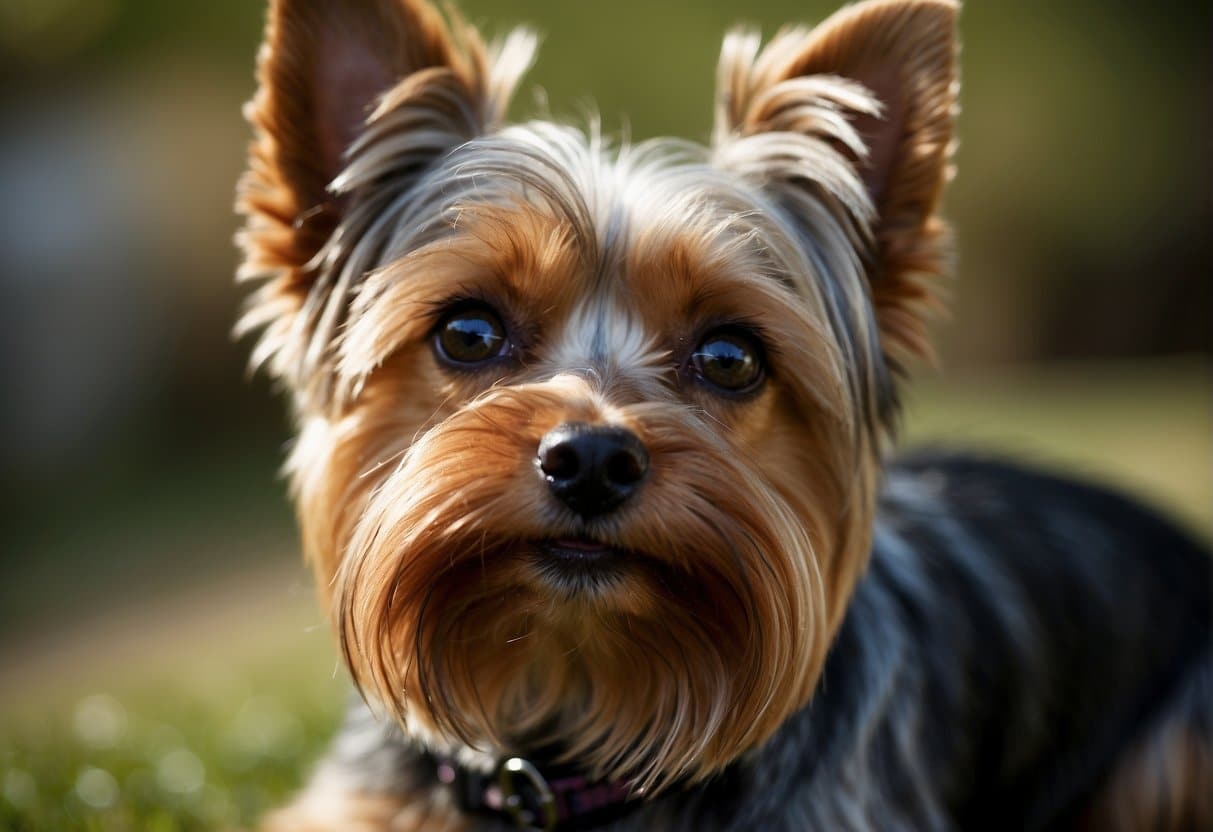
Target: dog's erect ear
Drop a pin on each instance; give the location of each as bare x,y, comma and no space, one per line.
327,69
903,54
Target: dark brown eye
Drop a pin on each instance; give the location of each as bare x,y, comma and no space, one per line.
730,361
471,336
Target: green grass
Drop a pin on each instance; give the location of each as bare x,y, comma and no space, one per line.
203,725
158,760
199,708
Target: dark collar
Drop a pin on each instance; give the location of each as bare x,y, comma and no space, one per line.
551,798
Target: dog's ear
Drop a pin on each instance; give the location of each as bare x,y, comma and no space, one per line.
875,85
327,71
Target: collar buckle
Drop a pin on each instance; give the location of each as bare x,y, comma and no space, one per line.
527,797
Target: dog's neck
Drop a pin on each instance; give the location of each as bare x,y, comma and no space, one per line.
535,795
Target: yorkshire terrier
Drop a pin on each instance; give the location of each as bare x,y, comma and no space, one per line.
592,467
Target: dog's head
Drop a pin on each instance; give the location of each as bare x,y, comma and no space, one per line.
588,435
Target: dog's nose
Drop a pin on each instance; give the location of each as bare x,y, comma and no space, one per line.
592,469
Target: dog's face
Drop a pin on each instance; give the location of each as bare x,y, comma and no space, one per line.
589,438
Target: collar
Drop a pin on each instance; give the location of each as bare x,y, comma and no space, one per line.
551,798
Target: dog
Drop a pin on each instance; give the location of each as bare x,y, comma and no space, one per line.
594,460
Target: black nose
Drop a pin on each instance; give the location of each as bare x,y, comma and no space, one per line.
592,469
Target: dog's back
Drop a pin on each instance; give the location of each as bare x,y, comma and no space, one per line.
1025,653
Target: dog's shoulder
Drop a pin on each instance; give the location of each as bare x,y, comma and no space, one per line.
1032,626
1043,529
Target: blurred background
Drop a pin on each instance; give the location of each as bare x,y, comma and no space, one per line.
162,665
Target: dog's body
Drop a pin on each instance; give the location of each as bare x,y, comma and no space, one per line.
591,464
1019,646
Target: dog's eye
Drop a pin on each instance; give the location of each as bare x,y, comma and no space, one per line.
729,360
471,336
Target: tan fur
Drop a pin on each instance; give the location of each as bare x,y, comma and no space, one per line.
332,807
414,516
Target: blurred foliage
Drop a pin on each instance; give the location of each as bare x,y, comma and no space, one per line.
185,713
189,766
166,757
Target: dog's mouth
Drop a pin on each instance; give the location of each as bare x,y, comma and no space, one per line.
575,564
578,550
